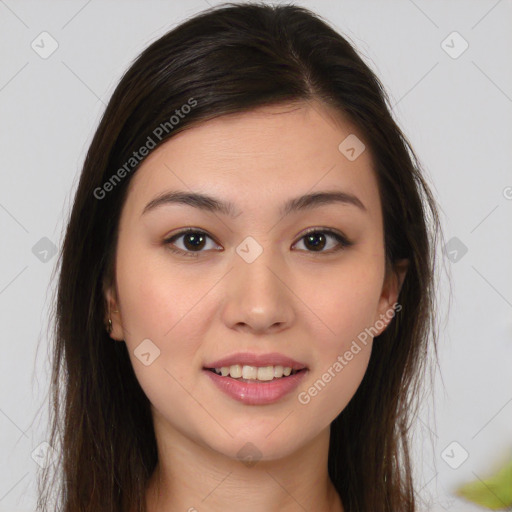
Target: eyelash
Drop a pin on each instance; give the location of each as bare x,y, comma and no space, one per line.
343,241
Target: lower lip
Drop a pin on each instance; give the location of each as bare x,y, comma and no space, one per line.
258,392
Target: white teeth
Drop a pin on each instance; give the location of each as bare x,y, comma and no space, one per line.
235,370
263,373
266,373
249,372
278,372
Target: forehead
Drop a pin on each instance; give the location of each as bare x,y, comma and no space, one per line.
260,157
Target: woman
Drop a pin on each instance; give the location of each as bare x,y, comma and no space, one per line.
245,299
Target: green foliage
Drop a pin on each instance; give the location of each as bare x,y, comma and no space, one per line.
494,493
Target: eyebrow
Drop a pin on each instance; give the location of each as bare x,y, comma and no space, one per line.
212,204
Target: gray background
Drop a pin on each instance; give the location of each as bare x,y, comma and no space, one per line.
456,111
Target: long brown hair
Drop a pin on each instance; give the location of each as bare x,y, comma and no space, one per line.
233,58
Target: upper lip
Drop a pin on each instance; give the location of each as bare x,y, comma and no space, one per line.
251,359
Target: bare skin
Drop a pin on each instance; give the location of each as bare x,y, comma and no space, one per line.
306,304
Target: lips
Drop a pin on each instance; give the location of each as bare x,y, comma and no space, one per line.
255,392
259,360
256,379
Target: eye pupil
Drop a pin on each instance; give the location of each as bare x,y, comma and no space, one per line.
197,241
313,239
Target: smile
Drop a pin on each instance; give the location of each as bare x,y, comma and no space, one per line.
247,373
255,379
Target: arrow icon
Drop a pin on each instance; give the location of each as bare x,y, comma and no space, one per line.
147,352
351,147
455,249
453,254
44,249
454,455
44,45
249,249
454,45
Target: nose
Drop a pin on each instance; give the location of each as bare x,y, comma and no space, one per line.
258,297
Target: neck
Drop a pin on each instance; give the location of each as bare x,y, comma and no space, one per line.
195,478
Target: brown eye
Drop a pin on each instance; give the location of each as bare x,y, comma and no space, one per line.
193,242
316,240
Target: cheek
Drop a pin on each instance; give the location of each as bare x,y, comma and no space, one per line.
345,300
341,358
160,303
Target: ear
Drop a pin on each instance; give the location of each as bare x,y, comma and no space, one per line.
390,292
112,309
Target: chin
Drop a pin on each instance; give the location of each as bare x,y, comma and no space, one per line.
258,444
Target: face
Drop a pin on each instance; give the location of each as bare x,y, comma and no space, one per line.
273,281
